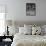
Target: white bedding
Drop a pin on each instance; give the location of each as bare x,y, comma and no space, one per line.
29,40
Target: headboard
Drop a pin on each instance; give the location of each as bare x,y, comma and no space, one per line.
21,23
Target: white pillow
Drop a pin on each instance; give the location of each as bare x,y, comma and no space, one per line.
36,30
28,26
44,27
28,31
21,30
24,30
42,30
13,30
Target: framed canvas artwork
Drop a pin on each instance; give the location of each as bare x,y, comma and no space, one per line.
30,9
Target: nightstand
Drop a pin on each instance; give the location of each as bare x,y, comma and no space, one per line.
7,43
4,40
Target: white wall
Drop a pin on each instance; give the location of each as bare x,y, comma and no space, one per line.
17,10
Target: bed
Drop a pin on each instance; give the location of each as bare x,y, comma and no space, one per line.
29,40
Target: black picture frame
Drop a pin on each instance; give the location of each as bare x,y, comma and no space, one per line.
30,9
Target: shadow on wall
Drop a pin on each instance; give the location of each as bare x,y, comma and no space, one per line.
21,23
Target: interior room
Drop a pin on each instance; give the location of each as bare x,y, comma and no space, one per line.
22,22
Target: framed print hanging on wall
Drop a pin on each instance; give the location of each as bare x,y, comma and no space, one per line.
30,9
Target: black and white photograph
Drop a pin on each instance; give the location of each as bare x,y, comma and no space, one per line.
30,9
